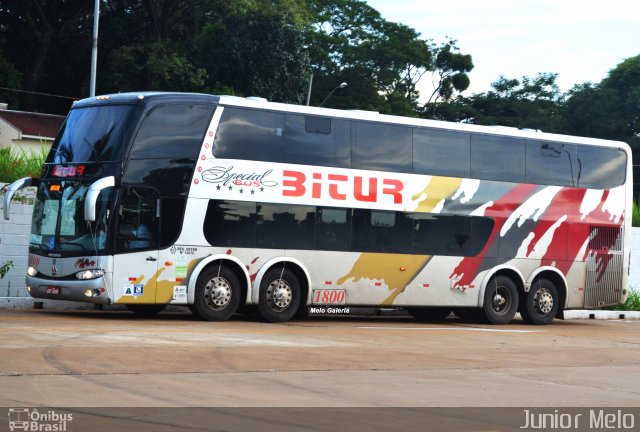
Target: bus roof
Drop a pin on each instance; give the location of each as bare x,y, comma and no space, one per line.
147,98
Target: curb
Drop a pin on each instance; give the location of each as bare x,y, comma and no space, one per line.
601,315
30,303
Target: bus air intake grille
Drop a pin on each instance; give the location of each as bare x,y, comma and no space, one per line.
604,267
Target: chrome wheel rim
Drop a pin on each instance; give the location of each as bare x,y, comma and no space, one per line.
501,300
543,301
279,295
217,293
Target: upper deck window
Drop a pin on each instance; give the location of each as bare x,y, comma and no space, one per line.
172,131
381,147
94,134
251,135
601,167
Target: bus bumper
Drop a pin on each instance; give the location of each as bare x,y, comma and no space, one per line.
88,291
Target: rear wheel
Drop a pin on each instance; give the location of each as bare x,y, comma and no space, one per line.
500,300
430,314
540,305
280,295
217,295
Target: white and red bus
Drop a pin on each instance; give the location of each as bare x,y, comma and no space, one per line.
218,203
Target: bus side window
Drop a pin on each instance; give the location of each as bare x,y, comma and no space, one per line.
551,163
250,134
381,147
317,141
283,226
600,167
437,152
381,231
334,229
498,158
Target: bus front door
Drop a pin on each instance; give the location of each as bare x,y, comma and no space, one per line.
136,260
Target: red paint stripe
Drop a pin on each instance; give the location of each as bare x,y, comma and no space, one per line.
500,211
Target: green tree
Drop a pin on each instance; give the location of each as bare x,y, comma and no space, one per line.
256,54
381,61
40,42
533,103
10,77
610,109
148,49
450,71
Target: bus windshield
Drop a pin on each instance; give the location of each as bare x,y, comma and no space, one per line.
94,134
58,220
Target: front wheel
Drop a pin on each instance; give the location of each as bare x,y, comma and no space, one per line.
500,300
217,295
280,295
540,305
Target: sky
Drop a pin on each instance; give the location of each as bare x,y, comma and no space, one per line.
581,40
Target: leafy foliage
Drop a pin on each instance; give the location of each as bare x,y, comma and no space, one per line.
610,109
632,303
4,268
271,48
635,216
532,103
15,164
266,48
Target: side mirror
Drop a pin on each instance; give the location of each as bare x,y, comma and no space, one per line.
15,187
92,196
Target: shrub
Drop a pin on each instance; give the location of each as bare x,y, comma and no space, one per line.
632,303
16,164
5,267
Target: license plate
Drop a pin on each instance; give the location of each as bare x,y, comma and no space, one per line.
51,290
329,297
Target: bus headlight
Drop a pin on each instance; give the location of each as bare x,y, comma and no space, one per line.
90,274
31,271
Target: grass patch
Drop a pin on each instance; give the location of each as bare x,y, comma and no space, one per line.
632,303
635,216
16,164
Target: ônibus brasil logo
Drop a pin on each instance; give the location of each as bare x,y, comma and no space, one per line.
32,420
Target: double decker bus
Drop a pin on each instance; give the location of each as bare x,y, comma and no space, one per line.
219,203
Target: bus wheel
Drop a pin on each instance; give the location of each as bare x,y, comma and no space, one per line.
279,295
500,300
146,309
217,295
429,314
541,303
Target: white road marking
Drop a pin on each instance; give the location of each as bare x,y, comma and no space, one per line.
452,329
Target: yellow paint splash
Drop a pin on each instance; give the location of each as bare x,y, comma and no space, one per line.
164,293
158,291
439,188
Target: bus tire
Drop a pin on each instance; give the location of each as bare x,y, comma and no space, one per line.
500,300
280,295
540,305
217,295
429,314
146,310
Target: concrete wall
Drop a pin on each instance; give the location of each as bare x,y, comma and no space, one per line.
14,242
